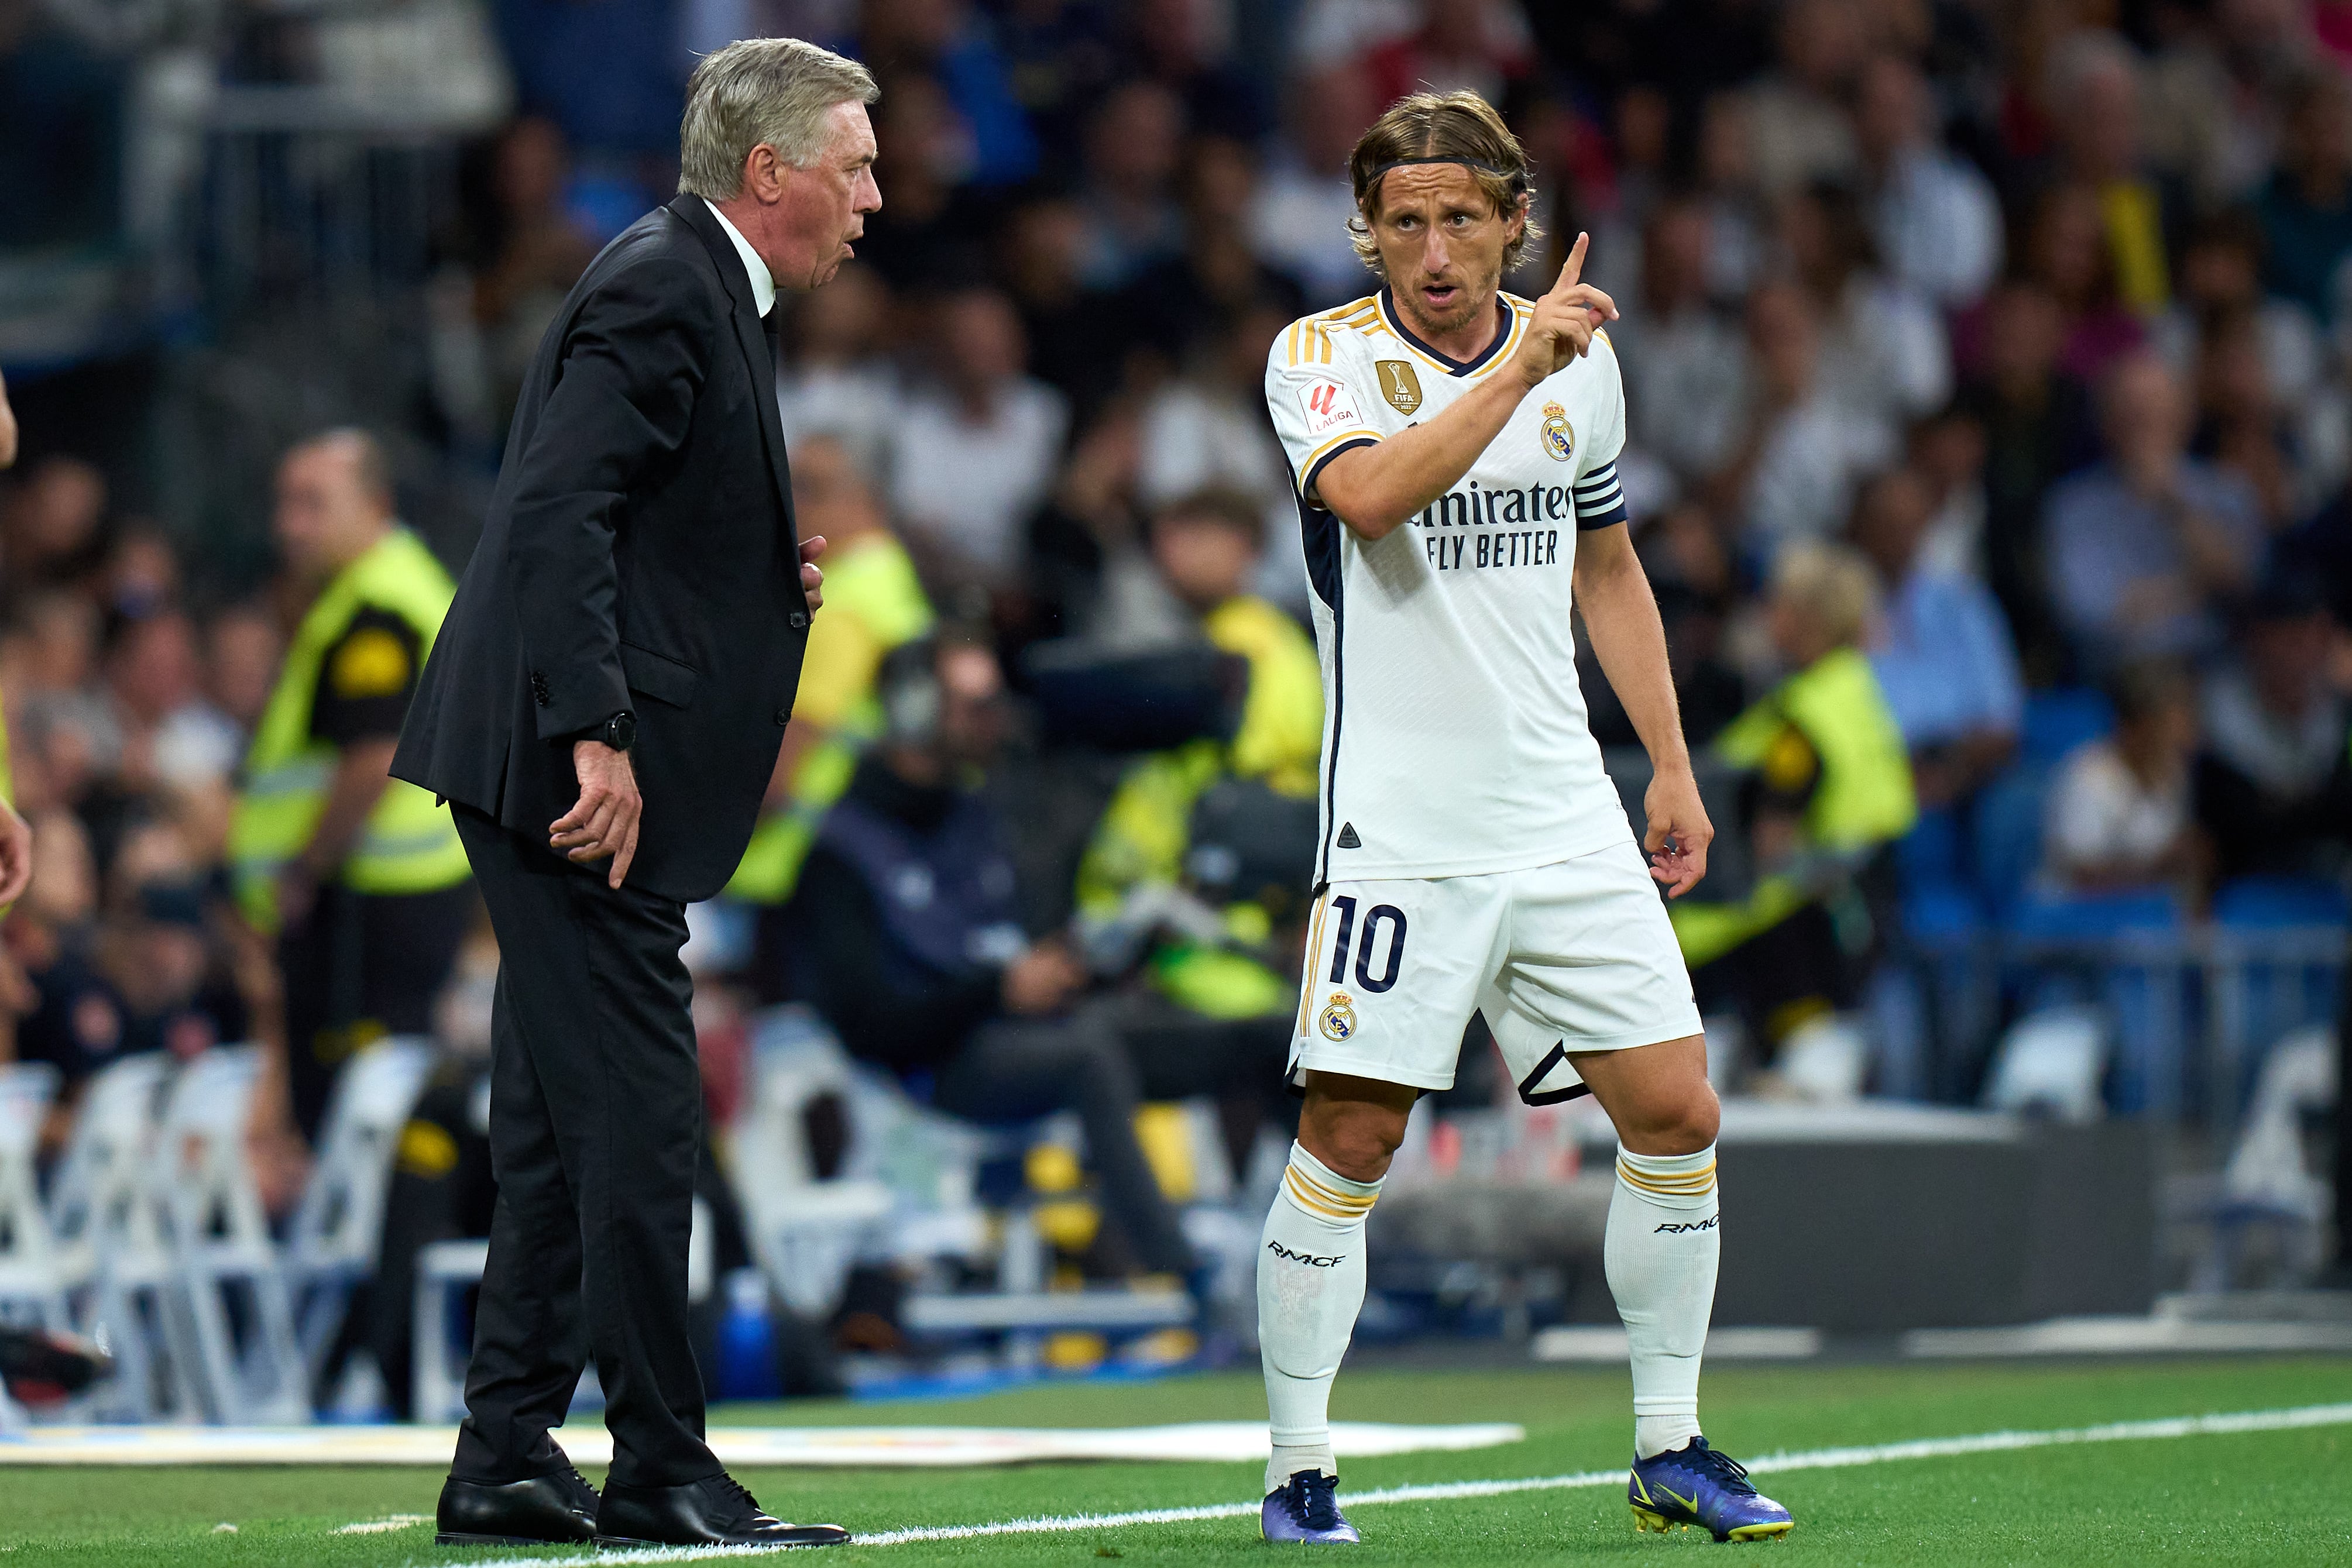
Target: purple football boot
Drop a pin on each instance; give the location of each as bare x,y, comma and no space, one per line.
1306,1509
1696,1485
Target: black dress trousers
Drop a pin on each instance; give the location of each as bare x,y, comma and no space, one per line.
595,1122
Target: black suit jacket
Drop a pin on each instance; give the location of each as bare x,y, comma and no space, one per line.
639,553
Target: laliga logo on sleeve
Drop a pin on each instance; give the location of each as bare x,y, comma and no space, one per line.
1330,405
1558,439
1339,1019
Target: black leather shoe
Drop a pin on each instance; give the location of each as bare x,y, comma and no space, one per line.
557,1506
714,1513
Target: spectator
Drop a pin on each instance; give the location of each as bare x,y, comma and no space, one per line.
2038,425
1936,219
1942,656
1087,566
2067,255
1186,47
1191,302
1801,132
2118,817
977,450
1133,148
54,519
357,876
908,943
1830,790
1736,247
2145,548
1791,474
139,575
836,382
1209,428
1299,217
942,41
172,735
2095,93
2273,783
1480,46
927,234
1058,59
65,716
873,603
2242,428
1231,964
534,252
2220,275
241,649
1883,351
1948,451
1076,335
1673,346
2306,208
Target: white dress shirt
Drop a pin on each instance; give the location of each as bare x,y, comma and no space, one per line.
763,283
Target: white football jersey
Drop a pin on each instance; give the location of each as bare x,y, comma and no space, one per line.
1454,741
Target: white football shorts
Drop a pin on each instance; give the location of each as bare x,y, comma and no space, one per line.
1571,956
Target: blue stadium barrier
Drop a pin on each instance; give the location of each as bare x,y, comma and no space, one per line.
2132,949
2056,722
1932,852
2005,847
2274,963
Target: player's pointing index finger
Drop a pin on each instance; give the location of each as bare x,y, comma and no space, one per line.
1573,268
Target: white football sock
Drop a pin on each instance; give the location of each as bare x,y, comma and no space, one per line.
1310,1286
1662,1244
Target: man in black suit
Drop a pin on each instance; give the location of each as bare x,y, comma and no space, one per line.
602,710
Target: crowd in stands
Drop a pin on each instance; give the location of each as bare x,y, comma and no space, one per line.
2005,344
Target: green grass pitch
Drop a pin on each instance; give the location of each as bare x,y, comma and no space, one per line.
2264,1499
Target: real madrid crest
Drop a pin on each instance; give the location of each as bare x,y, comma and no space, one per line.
1400,384
1339,1018
1558,439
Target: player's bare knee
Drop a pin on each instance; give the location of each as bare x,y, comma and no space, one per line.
1356,1138
1682,1119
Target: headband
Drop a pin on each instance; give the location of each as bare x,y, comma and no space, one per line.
1517,177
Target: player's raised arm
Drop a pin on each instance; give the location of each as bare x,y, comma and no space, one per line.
1373,489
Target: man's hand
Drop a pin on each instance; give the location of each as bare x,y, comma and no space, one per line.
16,854
1679,831
812,575
1564,322
297,895
1040,980
604,824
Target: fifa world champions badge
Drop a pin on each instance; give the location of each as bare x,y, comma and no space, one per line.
1558,437
1338,1021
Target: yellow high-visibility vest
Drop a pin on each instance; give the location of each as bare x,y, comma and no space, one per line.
1864,797
873,603
409,844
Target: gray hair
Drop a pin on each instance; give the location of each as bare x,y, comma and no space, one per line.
775,90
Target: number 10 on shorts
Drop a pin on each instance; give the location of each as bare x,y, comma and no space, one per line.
1381,918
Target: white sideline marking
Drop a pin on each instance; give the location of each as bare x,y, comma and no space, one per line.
1810,1459
389,1522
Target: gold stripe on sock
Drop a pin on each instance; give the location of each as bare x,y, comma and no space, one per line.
1673,1183
1308,1193
1330,1193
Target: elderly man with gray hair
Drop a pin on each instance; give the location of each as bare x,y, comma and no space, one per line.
602,710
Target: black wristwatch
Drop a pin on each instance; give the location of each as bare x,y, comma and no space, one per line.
619,732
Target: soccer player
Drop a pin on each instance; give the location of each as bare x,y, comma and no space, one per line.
1454,451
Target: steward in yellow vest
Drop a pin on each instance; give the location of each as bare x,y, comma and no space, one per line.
1830,789
1207,548
15,837
361,878
873,603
